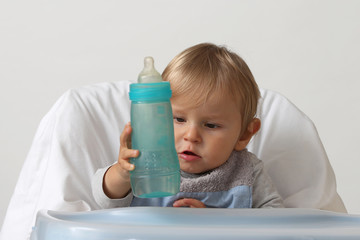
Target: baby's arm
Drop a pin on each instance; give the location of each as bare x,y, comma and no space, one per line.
265,194
116,183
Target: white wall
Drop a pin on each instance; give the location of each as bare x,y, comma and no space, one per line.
308,50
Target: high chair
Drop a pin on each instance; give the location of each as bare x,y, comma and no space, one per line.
81,133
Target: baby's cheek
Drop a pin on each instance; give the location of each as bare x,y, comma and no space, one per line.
177,138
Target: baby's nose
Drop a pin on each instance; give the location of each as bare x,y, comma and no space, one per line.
192,134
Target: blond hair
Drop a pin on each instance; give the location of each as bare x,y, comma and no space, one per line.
207,69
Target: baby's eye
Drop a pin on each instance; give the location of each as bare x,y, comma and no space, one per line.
179,120
211,125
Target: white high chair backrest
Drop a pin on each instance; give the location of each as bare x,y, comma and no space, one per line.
81,134
293,155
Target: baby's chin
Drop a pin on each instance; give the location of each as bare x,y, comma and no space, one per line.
196,169
193,170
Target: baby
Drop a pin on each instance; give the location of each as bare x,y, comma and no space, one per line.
214,101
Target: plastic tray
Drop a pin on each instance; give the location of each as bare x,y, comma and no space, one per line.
189,223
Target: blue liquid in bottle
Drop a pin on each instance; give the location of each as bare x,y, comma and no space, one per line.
157,170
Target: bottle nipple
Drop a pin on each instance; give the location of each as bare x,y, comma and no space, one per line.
149,73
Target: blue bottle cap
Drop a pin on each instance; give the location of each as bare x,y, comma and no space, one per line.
159,91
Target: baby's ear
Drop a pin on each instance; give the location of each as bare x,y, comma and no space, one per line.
252,128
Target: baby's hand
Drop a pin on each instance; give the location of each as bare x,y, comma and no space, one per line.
125,153
189,202
116,182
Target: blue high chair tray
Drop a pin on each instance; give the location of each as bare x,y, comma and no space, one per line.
190,223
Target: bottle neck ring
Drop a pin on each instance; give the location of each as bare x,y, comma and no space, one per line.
150,92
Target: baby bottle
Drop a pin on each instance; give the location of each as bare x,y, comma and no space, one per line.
157,170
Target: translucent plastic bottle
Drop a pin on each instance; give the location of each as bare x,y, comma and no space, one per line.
157,171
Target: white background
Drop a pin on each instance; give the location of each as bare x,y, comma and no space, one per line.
307,50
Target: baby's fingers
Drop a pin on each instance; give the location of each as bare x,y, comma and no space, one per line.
189,202
125,155
126,166
125,137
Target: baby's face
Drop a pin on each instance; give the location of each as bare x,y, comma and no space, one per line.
205,135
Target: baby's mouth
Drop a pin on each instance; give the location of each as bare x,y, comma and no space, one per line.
189,153
189,156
